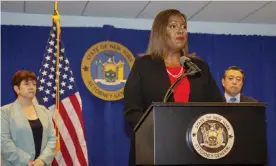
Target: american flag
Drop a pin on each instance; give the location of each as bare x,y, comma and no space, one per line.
68,120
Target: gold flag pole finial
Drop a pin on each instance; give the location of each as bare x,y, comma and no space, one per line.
56,16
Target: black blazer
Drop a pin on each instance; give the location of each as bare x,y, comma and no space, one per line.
248,99
148,82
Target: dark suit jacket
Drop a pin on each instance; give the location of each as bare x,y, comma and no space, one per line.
244,99
248,99
148,82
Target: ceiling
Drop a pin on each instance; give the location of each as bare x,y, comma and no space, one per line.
260,12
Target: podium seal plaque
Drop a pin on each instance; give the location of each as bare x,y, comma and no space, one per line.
212,136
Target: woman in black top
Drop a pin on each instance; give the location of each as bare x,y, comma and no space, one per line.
27,132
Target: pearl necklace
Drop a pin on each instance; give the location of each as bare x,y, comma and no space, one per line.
176,76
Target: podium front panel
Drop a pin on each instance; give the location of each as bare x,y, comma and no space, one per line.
172,128
144,145
165,136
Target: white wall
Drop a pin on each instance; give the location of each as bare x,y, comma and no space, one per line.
143,24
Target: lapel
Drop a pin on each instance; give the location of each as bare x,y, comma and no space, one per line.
242,99
22,120
224,99
164,78
193,96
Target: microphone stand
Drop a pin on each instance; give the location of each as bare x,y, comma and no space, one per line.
170,90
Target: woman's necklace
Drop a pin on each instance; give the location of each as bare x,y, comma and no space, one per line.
177,75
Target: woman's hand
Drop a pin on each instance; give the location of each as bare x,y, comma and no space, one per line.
30,163
38,162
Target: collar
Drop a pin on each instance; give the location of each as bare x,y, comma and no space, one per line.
227,97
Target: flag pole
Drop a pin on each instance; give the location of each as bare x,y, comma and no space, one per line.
56,20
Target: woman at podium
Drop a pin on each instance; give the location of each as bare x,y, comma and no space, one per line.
165,62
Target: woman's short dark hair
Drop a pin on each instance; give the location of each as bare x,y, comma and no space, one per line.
21,75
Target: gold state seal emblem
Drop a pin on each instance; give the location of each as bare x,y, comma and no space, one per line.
212,136
105,68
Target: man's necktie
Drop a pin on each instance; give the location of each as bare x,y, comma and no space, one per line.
233,100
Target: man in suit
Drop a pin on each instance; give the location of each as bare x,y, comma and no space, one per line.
232,81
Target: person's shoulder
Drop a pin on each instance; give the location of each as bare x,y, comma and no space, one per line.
248,99
198,60
6,108
146,60
143,58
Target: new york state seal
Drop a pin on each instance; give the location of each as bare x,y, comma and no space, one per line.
105,68
212,136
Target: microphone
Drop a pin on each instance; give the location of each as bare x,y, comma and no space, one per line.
192,70
189,64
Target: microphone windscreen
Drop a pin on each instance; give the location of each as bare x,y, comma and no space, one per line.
183,59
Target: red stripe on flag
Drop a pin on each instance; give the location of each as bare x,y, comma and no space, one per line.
76,105
72,131
54,163
65,153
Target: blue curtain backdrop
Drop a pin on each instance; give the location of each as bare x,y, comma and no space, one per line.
107,140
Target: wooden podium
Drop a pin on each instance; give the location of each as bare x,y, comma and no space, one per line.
201,133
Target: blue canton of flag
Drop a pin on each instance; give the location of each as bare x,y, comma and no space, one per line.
47,74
